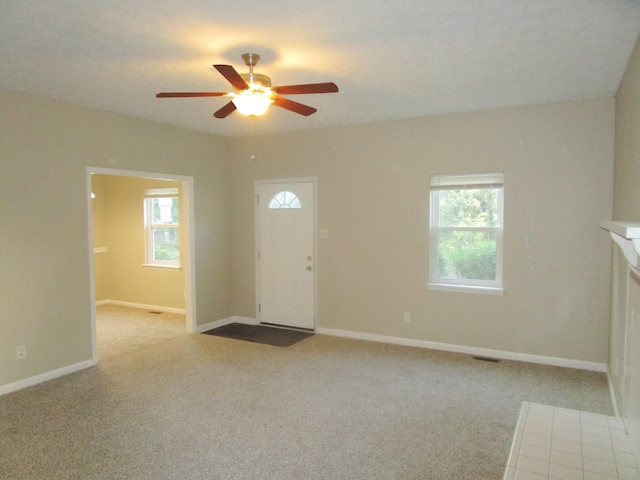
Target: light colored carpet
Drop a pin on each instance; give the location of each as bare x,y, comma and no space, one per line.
163,404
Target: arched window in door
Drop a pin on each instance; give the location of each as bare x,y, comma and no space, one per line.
285,199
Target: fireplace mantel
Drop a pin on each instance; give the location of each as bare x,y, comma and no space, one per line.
627,236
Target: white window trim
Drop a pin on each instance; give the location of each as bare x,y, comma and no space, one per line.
148,226
491,287
466,288
162,266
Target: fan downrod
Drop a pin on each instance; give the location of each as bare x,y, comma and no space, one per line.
250,60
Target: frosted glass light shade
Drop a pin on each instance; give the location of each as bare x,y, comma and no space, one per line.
249,103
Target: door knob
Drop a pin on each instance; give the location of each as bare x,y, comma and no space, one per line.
308,267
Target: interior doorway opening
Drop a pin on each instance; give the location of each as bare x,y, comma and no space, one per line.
187,263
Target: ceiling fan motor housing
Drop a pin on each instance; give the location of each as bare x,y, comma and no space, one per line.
256,78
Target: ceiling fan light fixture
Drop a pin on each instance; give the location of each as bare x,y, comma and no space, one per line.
251,103
253,93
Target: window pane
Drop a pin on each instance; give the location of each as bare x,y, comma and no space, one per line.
166,244
165,210
285,199
467,255
474,207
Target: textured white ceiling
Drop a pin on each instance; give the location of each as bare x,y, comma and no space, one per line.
390,60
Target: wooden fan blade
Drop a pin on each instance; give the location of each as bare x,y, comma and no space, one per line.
294,106
189,94
232,76
226,110
329,87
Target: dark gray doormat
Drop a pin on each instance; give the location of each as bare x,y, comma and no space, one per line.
277,337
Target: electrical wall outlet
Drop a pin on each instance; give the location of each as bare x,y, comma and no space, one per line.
21,352
407,317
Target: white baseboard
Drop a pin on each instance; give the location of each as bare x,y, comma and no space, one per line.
225,321
521,357
43,377
143,306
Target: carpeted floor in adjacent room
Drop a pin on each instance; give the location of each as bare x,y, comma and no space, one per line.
164,404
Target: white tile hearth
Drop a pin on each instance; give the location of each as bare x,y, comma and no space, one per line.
561,444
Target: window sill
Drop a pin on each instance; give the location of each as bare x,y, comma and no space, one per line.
165,267
466,288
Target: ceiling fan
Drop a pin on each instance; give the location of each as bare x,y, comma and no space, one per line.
253,92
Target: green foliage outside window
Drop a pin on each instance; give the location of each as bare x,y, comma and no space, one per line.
166,244
477,207
465,251
166,240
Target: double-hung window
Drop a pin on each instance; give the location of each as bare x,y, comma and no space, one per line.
162,227
466,232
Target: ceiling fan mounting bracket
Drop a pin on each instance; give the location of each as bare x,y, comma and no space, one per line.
250,59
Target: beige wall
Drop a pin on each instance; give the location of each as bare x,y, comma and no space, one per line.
45,149
373,198
626,207
118,226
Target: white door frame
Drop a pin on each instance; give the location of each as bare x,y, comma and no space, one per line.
256,221
188,254
633,282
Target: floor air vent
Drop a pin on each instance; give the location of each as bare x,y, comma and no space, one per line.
487,359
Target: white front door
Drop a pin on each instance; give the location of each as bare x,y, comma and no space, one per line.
286,254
